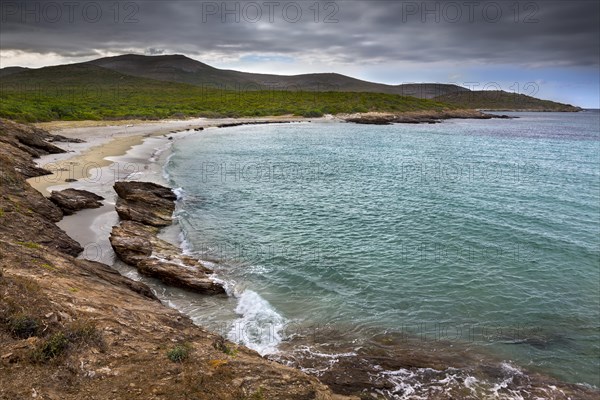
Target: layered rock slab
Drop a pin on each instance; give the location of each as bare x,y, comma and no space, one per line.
145,202
144,208
72,200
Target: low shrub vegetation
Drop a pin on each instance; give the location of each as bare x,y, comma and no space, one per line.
23,326
179,353
50,348
83,94
78,334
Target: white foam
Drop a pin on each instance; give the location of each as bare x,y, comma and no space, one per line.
329,359
259,326
184,244
135,176
159,150
165,173
179,192
228,286
511,369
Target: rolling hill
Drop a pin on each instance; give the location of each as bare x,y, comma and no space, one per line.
11,70
87,91
181,69
134,86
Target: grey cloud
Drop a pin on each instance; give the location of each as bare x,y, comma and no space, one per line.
567,33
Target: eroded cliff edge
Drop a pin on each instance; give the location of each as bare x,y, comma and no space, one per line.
75,329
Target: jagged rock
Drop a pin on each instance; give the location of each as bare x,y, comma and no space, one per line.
145,202
35,230
136,244
19,148
64,139
29,139
129,247
73,200
22,162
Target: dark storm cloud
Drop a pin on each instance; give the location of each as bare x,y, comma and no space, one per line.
532,33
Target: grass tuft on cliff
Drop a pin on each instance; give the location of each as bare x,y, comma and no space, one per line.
78,333
179,353
50,348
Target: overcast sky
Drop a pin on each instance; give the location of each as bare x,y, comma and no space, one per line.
549,49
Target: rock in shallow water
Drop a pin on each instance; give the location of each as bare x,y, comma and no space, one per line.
145,207
137,245
145,202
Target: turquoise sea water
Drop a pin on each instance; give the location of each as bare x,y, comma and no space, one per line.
479,232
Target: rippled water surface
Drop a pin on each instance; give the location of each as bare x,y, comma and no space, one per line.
478,232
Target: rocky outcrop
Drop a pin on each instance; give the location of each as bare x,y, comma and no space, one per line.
26,216
34,141
137,245
145,208
111,342
145,202
73,200
21,143
233,124
418,117
64,139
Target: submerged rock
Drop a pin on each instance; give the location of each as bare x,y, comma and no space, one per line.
145,202
73,200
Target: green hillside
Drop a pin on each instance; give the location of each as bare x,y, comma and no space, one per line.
498,100
89,92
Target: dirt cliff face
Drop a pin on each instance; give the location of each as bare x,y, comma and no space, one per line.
26,216
74,329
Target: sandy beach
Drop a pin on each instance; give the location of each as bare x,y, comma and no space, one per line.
112,138
125,152
114,151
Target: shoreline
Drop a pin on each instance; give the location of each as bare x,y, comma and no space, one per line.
93,215
137,157
91,166
95,329
105,139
